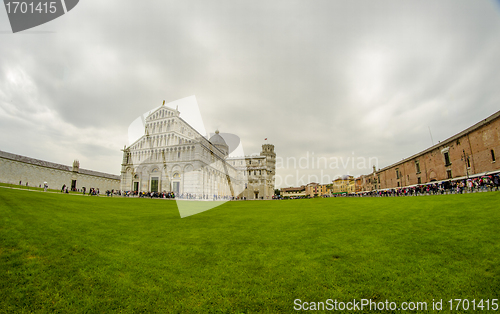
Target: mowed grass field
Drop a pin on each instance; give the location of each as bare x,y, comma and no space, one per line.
70,254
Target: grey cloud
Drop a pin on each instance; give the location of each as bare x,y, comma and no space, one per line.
331,77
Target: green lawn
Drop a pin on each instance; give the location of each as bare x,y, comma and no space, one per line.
69,253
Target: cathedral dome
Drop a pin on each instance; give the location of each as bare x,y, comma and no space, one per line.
219,142
216,139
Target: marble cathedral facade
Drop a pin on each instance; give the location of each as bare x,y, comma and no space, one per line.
172,156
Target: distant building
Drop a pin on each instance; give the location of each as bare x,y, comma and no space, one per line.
293,192
358,187
366,182
345,184
316,189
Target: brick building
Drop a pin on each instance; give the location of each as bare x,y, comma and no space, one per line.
472,152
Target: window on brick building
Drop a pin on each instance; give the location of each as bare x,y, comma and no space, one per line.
468,162
417,166
397,174
448,174
493,155
419,180
447,159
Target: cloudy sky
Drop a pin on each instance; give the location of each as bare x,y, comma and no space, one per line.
333,78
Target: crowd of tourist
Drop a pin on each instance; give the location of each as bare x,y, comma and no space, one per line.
172,195
472,185
478,184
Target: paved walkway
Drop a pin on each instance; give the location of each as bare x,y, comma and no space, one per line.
35,190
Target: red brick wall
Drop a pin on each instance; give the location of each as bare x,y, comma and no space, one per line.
477,145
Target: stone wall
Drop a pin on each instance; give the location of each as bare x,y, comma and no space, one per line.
15,168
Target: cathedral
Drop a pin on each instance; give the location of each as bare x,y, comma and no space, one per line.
172,156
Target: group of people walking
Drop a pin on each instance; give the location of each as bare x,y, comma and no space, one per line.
478,184
186,196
